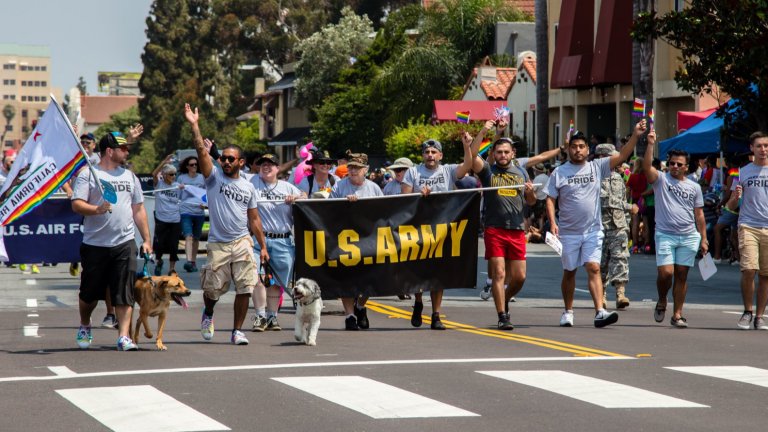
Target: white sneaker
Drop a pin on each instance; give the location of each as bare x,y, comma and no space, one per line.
717,261
238,338
735,263
604,318
566,319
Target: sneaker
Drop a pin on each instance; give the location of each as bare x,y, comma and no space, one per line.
679,322
351,323
35,270
109,321
745,320
84,337
206,327
717,260
272,324
566,319
604,318
436,323
23,267
238,338
188,266
418,308
485,293
124,343
659,311
362,318
74,270
159,268
260,323
194,267
759,324
504,323
733,263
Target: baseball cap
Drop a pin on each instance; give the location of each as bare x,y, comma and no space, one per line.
269,157
402,162
88,136
112,140
539,167
578,135
359,160
432,143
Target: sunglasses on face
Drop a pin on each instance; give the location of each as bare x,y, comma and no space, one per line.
399,170
192,165
230,159
171,174
676,164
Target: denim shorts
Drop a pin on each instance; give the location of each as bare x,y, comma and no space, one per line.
728,218
677,249
281,254
192,225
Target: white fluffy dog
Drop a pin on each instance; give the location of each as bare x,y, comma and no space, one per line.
306,293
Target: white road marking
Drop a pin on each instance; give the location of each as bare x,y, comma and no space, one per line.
61,370
744,374
582,290
599,392
311,365
31,282
372,398
31,303
33,315
139,409
31,330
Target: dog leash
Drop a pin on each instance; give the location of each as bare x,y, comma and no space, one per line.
269,274
144,273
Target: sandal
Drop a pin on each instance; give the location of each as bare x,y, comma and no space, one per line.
658,313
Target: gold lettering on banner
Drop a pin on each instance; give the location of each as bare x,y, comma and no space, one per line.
314,248
385,246
457,231
346,238
409,242
432,242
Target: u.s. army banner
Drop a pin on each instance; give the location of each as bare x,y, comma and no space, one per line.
391,246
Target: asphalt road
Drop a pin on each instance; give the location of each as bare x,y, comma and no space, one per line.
538,377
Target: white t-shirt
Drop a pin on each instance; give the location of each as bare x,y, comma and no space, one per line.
344,187
228,203
115,228
167,202
441,179
754,198
675,201
190,204
577,188
276,218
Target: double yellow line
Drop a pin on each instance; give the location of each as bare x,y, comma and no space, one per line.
576,350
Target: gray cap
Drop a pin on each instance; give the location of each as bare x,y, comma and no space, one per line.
606,149
402,162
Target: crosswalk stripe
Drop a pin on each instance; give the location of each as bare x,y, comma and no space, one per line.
140,408
373,398
744,374
596,391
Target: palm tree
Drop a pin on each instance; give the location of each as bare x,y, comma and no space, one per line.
643,54
9,113
542,76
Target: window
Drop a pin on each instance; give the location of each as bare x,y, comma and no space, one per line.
6,97
24,113
37,98
43,68
37,83
44,83
11,66
23,98
9,128
23,68
37,68
6,82
13,97
679,5
42,98
23,83
9,143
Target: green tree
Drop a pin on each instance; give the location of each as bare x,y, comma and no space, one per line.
348,120
120,122
405,141
246,135
82,86
722,46
324,54
9,112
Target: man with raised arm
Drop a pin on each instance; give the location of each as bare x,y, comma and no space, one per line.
234,217
575,185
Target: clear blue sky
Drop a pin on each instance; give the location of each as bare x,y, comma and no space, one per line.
85,36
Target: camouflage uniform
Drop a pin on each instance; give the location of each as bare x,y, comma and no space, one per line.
614,265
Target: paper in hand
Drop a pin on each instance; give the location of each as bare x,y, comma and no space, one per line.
707,267
554,243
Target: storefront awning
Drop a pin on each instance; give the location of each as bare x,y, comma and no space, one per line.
290,136
445,110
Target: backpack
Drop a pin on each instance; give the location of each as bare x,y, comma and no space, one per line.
311,180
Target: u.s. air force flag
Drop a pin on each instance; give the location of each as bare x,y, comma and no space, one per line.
383,247
48,159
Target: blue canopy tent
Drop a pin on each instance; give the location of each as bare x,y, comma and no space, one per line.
704,137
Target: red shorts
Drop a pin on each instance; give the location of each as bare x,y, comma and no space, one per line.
500,242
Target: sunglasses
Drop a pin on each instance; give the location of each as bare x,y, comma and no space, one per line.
171,174
675,164
192,165
230,159
399,170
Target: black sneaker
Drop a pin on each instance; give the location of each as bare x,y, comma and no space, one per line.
436,323
362,318
351,323
418,308
604,318
504,323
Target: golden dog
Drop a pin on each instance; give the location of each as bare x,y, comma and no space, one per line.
154,295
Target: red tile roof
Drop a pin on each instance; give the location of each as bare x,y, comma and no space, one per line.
499,88
98,109
526,6
529,64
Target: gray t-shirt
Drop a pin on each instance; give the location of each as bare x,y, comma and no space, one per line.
754,199
228,203
343,187
276,218
542,179
327,186
675,201
393,188
190,204
440,179
577,189
115,228
167,202
503,208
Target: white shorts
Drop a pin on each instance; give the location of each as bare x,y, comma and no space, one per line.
581,248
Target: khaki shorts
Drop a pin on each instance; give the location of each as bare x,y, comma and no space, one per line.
753,248
227,262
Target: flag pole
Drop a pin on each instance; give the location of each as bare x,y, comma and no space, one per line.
77,140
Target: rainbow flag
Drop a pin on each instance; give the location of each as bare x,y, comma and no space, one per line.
462,117
651,116
733,172
484,147
639,108
571,128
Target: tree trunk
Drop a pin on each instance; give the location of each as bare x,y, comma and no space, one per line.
542,76
643,54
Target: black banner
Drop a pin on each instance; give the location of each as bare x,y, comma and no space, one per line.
389,246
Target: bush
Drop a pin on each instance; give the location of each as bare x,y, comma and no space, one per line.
406,141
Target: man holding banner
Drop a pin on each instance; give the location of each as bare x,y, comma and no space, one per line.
108,252
576,187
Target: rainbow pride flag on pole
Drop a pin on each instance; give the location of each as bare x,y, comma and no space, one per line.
651,118
639,108
484,147
51,155
462,117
